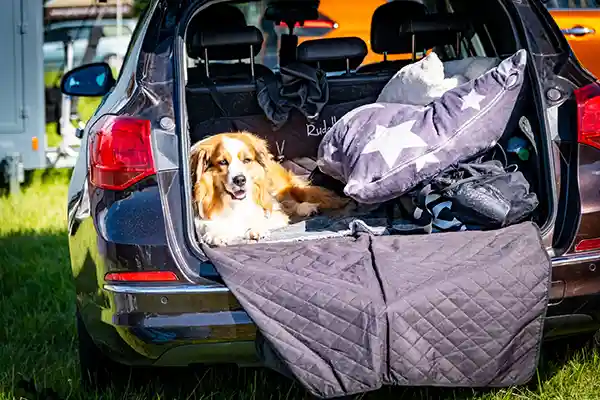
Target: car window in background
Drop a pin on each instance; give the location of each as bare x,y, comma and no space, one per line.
579,21
571,4
113,31
62,34
335,19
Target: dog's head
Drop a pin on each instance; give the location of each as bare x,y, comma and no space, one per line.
229,167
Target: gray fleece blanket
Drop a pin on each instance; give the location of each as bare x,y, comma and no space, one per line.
347,315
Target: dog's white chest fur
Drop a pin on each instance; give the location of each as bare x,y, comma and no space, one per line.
244,220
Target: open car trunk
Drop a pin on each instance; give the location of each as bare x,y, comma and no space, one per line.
375,294
296,145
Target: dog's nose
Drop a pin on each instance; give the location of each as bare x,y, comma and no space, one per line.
239,180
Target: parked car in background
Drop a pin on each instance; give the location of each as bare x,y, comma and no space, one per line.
579,21
111,46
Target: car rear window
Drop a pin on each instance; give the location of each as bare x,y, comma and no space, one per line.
64,33
337,19
571,4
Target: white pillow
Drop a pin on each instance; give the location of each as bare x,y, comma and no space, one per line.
471,67
419,83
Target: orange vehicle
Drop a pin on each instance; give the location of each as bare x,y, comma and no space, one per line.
579,20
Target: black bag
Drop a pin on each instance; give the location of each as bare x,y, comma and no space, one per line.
483,193
488,195
477,195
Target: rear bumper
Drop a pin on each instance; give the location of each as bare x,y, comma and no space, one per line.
172,325
183,324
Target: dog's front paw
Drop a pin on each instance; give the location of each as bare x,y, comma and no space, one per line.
257,233
216,240
307,209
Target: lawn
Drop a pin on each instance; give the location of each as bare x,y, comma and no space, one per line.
38,341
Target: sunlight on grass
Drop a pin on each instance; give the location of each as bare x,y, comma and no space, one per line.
36,294
38,335
41,206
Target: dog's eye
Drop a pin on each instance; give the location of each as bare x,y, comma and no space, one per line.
247,160
223,162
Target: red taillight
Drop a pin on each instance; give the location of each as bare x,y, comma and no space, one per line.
317,23
149,276
588,244
588,114
588,133
120,152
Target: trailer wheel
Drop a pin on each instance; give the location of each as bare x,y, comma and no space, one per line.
12,174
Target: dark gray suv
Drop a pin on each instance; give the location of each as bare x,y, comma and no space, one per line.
146,293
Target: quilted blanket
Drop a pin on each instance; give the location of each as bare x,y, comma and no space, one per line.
350,314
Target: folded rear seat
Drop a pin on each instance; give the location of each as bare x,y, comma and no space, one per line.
222,90
432,30
414,32
340,58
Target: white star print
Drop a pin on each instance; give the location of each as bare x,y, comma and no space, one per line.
389,142
329,151
472,100
350,114
425,159
352,185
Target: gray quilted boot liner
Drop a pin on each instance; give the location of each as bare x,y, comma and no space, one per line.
350,314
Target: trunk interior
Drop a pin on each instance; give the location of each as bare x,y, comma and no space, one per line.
227,101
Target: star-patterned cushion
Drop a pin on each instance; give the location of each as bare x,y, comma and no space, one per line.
382,150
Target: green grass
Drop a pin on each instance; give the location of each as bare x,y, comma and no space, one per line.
38,341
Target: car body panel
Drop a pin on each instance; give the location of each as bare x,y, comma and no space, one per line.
589,192
582,29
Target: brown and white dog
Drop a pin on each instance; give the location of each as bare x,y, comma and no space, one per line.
240,192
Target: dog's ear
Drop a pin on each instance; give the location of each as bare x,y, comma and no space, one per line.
204,194
261,148
262,195
199,160
203,190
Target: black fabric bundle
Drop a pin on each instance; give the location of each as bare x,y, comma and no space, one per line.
480,195
302,87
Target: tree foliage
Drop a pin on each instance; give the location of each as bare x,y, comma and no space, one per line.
139,6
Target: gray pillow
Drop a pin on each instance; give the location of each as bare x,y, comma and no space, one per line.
382,150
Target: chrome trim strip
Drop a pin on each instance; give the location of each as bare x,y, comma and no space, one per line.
203,289
576,259
165,289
